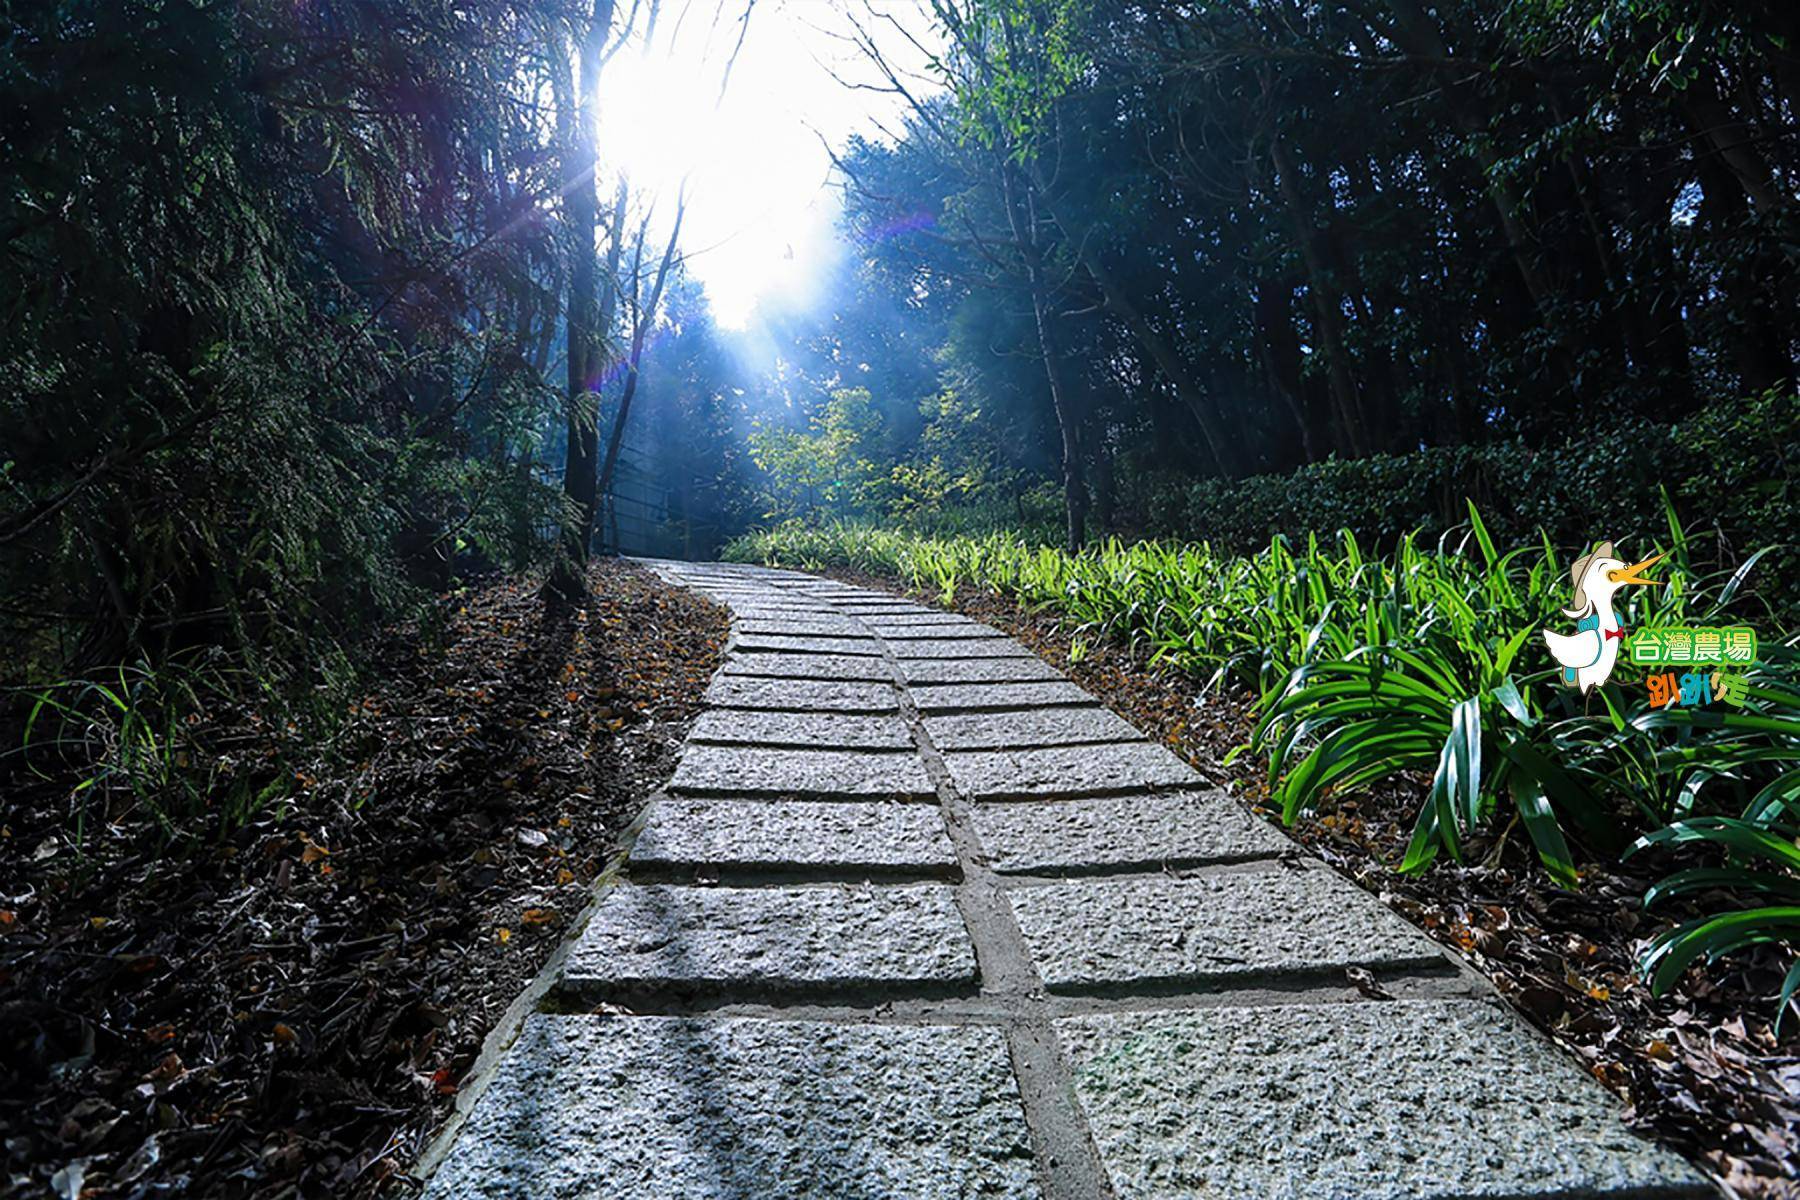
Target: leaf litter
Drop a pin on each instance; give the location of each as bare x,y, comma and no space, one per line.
290,1011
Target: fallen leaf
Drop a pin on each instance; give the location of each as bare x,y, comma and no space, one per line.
67,1181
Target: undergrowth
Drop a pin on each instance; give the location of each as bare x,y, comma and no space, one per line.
1369,665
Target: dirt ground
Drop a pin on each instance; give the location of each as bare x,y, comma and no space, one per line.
289,1010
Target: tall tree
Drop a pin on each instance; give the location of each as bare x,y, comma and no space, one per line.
578,56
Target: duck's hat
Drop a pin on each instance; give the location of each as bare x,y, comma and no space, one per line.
1578,572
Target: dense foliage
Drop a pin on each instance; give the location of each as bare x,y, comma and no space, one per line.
1146,244
287,299
1733,467
264,351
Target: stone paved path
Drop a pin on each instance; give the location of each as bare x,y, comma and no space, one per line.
918,918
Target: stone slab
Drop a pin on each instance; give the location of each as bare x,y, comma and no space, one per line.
1131,832
1410,1100
959,648
808,627
790,643
793,612
787,608
803,695
835,731
808,666
985,670
877,604
922,617
1090,934
779,835
978,697
767,771
1067,771
650,1108
1035,727
829,599
785,941
964,631
880,612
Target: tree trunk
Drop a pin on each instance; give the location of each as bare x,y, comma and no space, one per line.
1105,493
1167,360
644,318
1329,319
1713,119
1383,426
1748,281
1023,220
1074,492
1281,360
581,206
1421,38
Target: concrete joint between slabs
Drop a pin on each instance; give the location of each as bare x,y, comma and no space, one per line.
1066,1159
853,1005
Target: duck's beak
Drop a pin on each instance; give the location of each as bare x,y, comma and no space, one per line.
1630,574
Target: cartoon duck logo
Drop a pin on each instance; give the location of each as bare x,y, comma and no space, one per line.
1588,655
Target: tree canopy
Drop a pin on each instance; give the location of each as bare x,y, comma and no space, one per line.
313,308
1242,237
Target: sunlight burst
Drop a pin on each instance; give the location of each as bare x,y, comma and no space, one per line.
760,223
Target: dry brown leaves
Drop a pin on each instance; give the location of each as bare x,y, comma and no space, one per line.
291,1012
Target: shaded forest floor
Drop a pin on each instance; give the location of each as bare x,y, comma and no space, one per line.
1700,1068
289,1011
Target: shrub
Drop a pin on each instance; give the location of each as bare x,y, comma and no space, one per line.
1735,466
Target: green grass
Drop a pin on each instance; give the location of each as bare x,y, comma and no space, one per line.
1366,666
140,741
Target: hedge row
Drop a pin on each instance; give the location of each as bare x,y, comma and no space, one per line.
1732,470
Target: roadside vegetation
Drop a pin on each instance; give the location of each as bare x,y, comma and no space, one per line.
1626,876
1423,661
